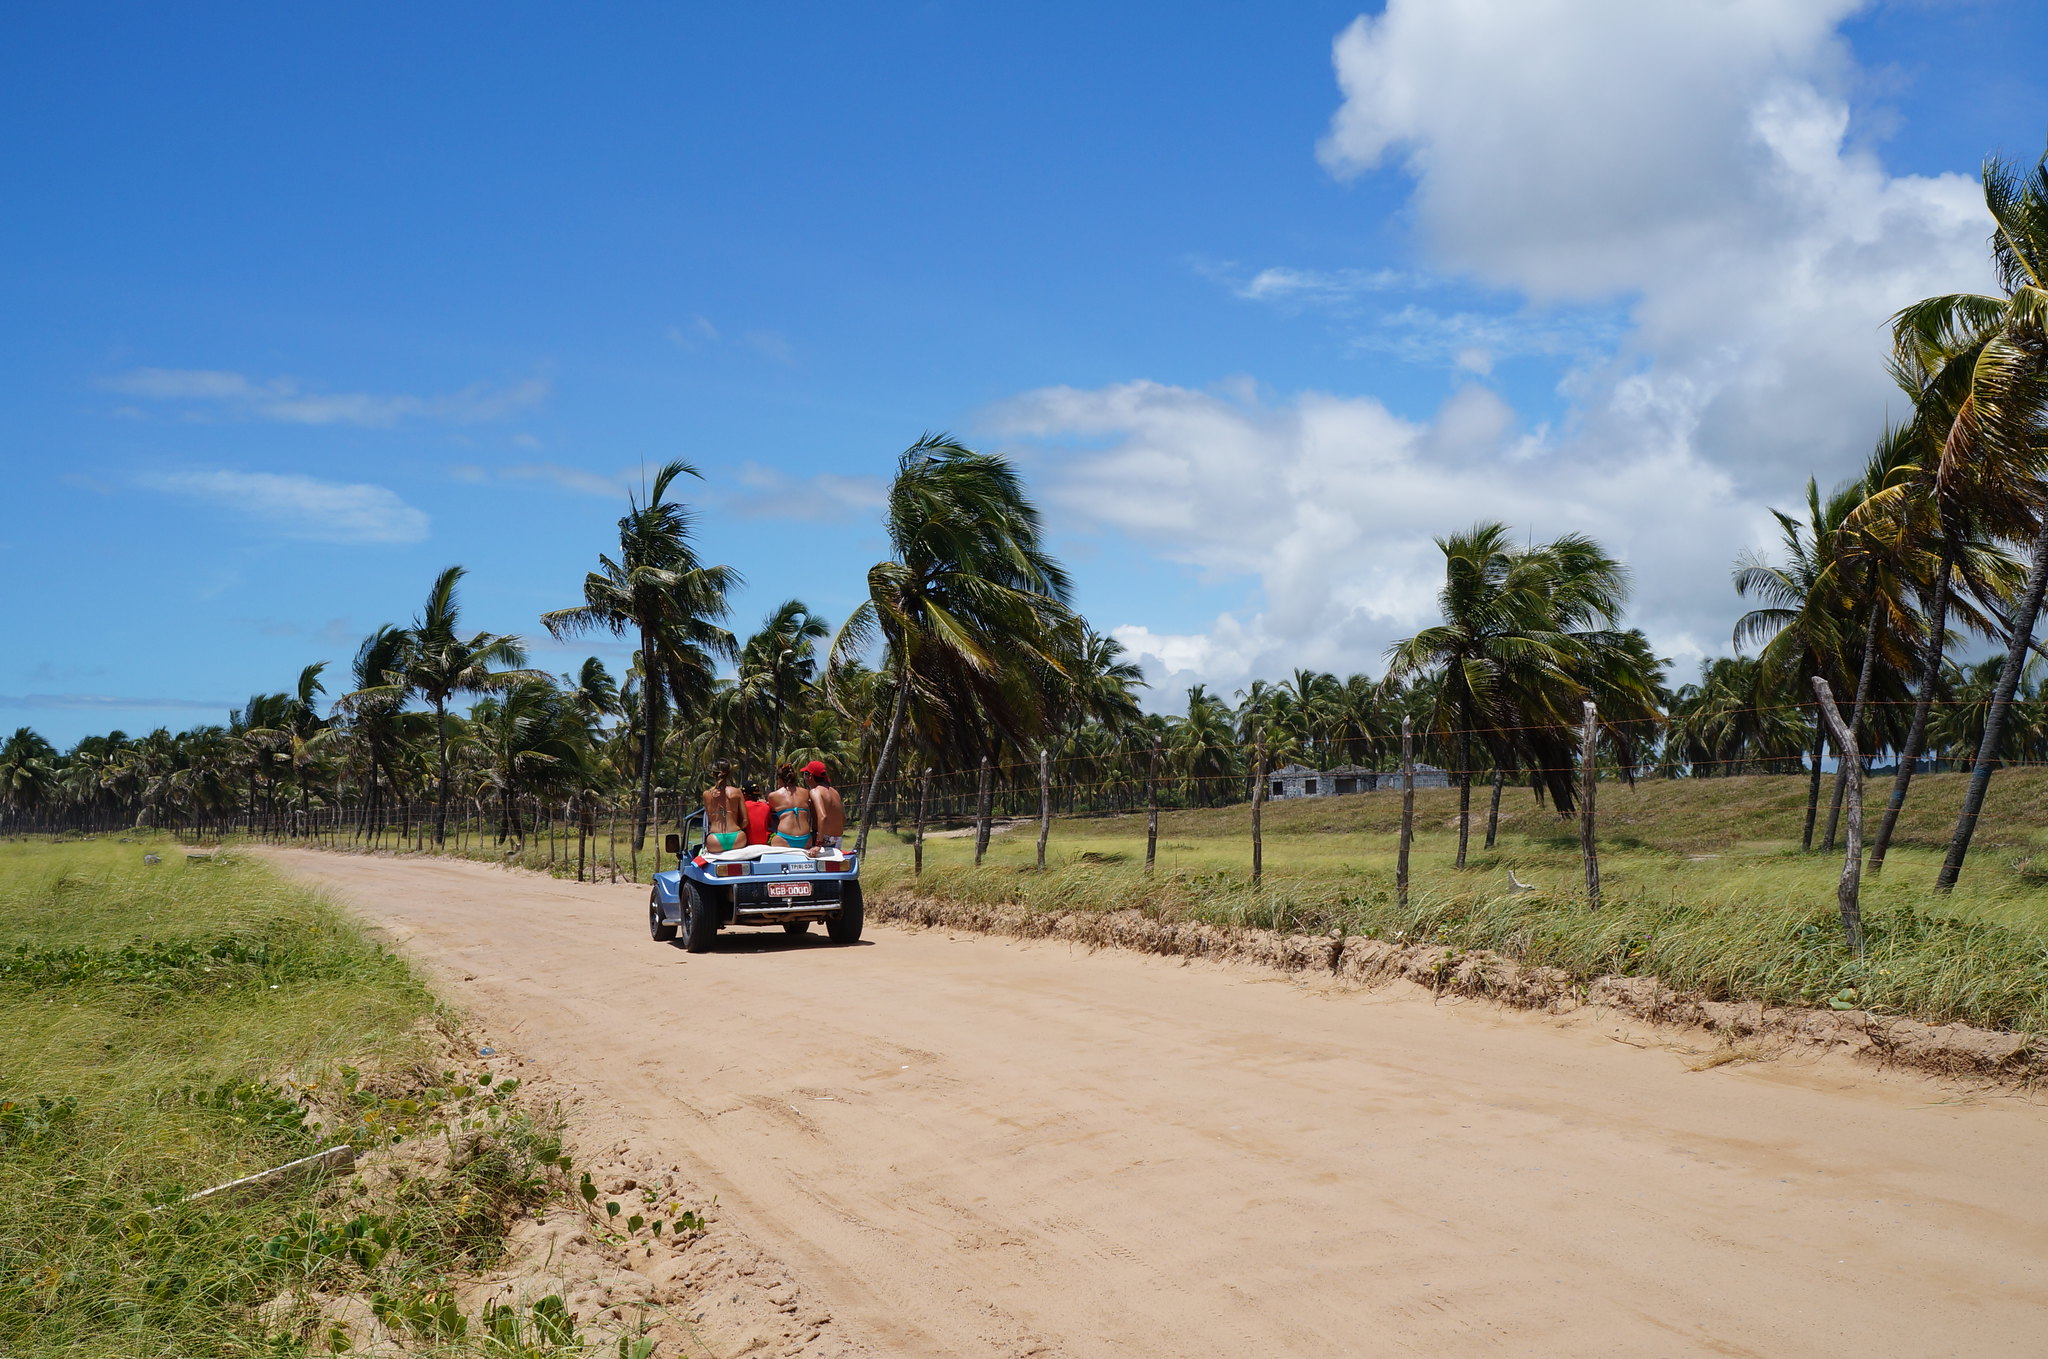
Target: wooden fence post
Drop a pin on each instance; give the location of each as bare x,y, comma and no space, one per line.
1407,812
1589,735
1258,806
1044,802
924,792
1846,894
983,792
1152,814
611,841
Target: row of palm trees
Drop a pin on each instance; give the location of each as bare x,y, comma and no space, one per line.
981,654
966,650
1943,536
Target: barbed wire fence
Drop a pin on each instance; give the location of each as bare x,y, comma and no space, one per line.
590,836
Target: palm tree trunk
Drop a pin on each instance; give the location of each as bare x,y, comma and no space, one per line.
1827,844
441,772
868,803
1464,794
1820,739
650,711
1923,703
2017,647
775,754
983,795
1493,812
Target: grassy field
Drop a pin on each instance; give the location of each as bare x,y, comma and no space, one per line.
150,1019
1703,883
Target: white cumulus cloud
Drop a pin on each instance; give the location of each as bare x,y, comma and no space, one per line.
302,507
1668,198
1691,159
1332,503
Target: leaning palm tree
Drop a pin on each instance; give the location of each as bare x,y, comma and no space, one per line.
2000,345
658,590
1937,527
441,663
967,605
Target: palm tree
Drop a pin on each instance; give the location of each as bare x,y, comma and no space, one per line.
1739,718
967,606
1807,599
1265,721
371,710
1096,684
1205,746
1962,721
776,665
1366,720
657,589
522,736
441,663
1938,527
1525,631
305,746
2001,346
28,770
594,694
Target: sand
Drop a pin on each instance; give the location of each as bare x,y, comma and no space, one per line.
975,1146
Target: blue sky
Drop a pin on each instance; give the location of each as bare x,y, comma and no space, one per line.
305,305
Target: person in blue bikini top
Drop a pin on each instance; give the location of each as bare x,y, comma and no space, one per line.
790,808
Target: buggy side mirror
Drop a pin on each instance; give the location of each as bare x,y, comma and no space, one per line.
672,843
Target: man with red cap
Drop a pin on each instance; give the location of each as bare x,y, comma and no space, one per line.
825,805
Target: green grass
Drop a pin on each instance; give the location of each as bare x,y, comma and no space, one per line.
150,1017
1703,887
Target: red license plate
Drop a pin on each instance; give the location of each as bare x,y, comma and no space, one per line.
789,889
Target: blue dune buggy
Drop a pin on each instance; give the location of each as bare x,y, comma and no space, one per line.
753,885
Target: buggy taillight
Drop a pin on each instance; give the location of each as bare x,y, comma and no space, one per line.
732,870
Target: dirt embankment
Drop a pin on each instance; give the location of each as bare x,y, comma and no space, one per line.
961,1144
1956,1050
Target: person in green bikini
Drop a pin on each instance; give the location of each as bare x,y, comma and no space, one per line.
725,813
790,807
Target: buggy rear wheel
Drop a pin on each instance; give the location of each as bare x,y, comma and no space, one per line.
844,928
700,920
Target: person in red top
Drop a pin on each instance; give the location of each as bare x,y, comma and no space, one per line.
757,815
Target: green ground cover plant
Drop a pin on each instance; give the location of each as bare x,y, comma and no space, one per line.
159,1027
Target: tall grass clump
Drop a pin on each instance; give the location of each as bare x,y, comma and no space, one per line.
152,1018
1735,931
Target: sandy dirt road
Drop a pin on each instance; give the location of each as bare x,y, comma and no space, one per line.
983,1147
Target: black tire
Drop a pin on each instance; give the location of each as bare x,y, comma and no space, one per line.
796,927
662,932
700,920
844,928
